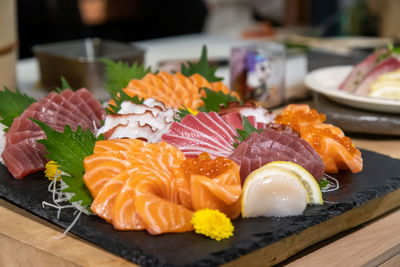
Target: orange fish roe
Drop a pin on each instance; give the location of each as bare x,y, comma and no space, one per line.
298,117
206,166
318,134
336,150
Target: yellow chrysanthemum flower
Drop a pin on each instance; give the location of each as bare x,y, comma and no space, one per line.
212,223
51,170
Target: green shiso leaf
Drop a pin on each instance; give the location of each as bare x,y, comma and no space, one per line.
201,67
12,104
182,112
213,100
121,97
119,74
248,129
69,149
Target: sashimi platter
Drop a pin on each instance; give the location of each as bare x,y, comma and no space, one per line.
177,170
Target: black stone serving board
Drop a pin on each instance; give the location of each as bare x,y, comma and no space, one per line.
380,176
355,120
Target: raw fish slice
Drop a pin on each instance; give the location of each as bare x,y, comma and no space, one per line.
199,81
20,136
207,127
26,124
103,203
96,107
222,192
54,110
193,152
359,72
333,150
387,65
21,161
114,120
125,216
80,107
229,132
208,194
57,103
336,150
74,109
159,214
174,90
138,121
153,163
202,135
101,167
271,145
220,86
185,143
40,110
158,86
116,145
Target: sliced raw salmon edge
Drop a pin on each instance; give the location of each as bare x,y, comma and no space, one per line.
174,90
116,145
101,167
222,192
159,214
103,203
124,214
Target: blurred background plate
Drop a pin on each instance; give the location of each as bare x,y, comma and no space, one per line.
353,120
326,82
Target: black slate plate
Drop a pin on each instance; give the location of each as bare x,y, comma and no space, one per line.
381,175
357,120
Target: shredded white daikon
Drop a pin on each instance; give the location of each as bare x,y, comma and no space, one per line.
333,184
60,201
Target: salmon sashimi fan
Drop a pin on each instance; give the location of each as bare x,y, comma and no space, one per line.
137,185
336,150
174,90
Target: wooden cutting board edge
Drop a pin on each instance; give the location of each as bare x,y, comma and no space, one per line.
282,250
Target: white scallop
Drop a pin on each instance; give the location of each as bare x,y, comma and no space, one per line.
274,192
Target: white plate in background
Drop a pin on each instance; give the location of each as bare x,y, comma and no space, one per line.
326,81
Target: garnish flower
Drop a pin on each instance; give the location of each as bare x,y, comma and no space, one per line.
212,223
51,170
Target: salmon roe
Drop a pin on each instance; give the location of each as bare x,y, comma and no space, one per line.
318,134
294,118
204,165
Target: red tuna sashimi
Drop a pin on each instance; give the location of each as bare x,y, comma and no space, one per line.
80,99
360,72
96,107
205,132
271,145
24,157
387,65
22,154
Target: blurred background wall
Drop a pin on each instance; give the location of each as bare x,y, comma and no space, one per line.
43,21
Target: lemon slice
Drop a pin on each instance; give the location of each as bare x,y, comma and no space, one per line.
308,181
273,191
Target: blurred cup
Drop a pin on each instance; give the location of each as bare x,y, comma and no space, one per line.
258,73
8,44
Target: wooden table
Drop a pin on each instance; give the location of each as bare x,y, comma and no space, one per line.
26,240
